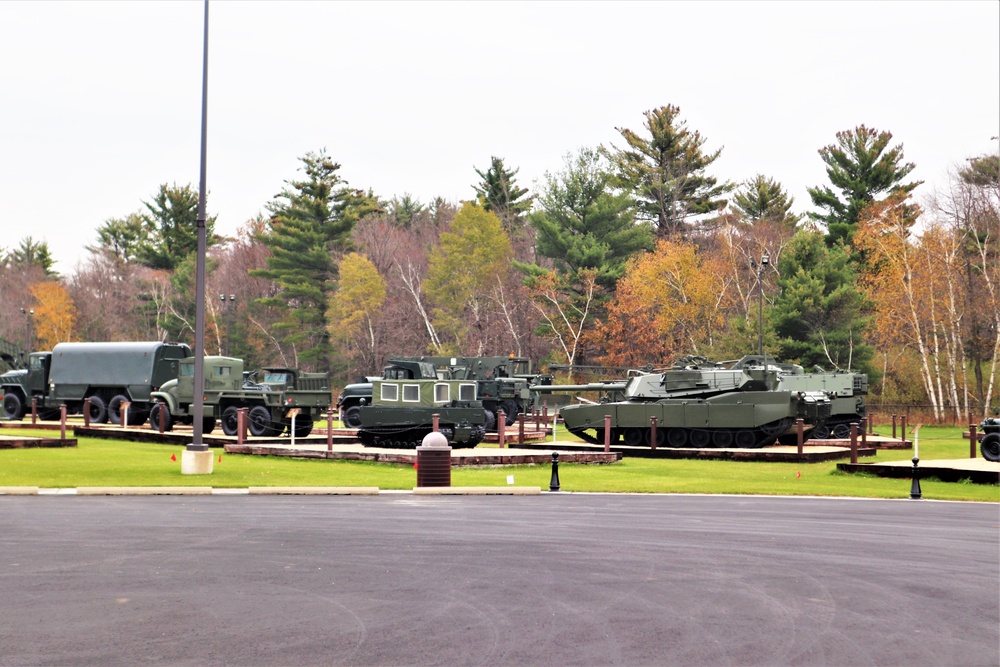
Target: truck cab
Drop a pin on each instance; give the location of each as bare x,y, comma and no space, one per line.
20,386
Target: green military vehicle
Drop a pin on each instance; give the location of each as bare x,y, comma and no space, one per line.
502,383
404,403
846,390
109,374
697,405
270,395
11,356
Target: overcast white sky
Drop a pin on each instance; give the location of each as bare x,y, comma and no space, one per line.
101,100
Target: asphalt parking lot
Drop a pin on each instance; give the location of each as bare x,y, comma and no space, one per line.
569,579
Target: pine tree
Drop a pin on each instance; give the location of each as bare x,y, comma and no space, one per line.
583,224
311,222
171,221
763,199
499,194
666,171
861,166
818,316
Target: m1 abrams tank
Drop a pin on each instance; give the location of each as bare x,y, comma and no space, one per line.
401,413
699,405
846,389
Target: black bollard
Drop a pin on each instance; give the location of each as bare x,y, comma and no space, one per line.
554,482
915,486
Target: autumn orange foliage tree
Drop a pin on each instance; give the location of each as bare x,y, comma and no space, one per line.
55,314
670,301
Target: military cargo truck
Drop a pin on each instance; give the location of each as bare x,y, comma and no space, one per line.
109,374
402,409
269,394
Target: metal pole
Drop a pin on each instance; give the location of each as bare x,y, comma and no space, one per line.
27,312
197,444
764,261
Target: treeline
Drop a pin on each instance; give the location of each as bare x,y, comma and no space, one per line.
629,254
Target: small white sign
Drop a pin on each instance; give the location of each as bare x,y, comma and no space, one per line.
510,479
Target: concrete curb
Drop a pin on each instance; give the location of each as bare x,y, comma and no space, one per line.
18,490
313,490
477,490
144,491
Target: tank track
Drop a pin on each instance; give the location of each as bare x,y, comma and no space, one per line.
714,437
411,438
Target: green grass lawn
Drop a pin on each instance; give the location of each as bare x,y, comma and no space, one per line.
98,462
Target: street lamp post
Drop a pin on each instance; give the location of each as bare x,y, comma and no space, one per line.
764,261
28,313
227,304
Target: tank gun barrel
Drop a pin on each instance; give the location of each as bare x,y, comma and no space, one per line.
592,386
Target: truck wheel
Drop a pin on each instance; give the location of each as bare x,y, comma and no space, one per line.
491,420
259,420
352,417
230,420
13,408
207,425
303,426
510,412
137,415
154,417
98,410
115,408
990,446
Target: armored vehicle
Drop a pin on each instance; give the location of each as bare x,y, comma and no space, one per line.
402,409
989,446
109,374
502,383
698,406
269,399
846,390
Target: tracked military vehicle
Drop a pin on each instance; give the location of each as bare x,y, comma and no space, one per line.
846,390
404,403
699,405
502,383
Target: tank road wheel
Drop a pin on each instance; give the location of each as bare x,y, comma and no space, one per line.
989,446
352,417
722,439
677,437
154,417
661,437
207,424
115,408
303,426
230,420
700,438
821,432
13,408
745,439
634,437
98,410
259,421
842,431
